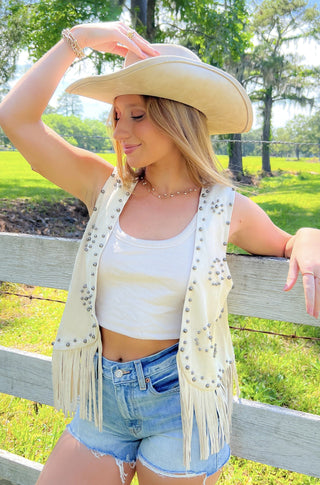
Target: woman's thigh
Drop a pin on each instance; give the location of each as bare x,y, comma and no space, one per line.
72,463
147,477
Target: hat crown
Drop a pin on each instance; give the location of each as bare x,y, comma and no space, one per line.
165,50
176,74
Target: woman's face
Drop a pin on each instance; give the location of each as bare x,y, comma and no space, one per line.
141,141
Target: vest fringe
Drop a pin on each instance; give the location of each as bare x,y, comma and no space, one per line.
212,411
77,378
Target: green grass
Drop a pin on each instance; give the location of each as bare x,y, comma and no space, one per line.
271,369
18,180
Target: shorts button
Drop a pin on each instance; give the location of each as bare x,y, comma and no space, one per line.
118,373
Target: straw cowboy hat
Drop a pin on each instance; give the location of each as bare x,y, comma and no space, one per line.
176,74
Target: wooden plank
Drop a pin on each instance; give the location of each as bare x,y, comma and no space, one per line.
37,260
258,281
18,470
276,436
26,375
267,434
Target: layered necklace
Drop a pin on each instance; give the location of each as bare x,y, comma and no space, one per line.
153,191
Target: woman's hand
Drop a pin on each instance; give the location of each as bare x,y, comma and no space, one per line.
304,250
113,37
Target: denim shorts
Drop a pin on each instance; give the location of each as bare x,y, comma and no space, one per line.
142,419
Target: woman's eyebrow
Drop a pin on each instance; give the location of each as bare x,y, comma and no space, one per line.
133,105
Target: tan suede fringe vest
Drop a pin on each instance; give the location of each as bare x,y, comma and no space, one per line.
205,357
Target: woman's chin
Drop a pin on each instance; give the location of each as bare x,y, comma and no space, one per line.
134,164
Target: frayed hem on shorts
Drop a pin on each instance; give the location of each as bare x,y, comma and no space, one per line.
166,474
119,463
99,454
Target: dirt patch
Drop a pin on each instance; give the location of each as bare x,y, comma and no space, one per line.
59,219
67,218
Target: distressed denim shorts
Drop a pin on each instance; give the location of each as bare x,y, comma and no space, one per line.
142,419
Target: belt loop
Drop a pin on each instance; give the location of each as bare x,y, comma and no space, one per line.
140,375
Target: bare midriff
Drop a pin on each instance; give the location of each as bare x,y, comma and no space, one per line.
120,348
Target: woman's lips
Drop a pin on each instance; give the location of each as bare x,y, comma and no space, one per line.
129,148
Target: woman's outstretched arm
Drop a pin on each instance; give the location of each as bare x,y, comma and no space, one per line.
77,171
252,230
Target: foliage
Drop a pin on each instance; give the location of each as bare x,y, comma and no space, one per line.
4,140
216,31
47,19
88,134
305,132
69,104
12,22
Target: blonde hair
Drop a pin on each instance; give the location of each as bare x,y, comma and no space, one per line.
187,128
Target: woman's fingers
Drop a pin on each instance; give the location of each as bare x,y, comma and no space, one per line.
311,286
134,42
309,291
317,297
113,37
305,257
120,50
292,274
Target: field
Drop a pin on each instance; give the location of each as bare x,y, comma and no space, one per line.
273,370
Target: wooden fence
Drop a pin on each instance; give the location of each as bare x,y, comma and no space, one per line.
267,434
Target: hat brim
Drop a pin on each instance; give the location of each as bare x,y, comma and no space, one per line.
210,90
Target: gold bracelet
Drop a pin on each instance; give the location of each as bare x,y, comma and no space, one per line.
73,43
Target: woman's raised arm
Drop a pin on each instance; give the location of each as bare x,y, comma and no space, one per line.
77,171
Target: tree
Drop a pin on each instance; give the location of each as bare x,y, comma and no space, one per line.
47,19
312,133
295,131
88,134
278,74
308,131
69,104
12,24
219,34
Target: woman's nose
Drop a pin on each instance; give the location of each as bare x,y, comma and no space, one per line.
121,130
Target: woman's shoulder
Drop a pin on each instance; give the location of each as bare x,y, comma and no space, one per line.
219,190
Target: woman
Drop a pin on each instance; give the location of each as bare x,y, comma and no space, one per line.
143,352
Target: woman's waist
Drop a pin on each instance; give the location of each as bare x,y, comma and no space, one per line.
122,348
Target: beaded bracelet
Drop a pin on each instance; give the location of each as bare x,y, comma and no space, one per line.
73,43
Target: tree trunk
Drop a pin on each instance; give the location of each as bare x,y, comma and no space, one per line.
266,131
298,152
151,27
235,156
139,13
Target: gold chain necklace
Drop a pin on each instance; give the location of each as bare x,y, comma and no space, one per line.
153,191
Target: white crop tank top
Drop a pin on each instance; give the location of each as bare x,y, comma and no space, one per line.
142,284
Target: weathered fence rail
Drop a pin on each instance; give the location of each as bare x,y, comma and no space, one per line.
267,434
